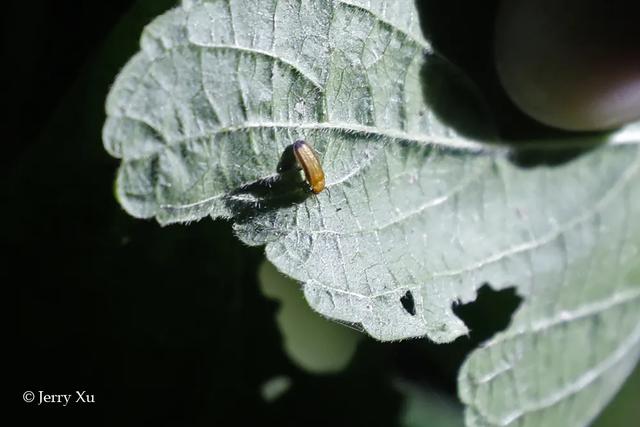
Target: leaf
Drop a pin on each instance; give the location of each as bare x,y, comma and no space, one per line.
202,115
624,407
313,343
275,387
575,340
423,407
418,213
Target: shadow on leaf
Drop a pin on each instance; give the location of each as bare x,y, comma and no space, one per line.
284,189
462,34
442,82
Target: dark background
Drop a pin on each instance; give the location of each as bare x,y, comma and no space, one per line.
166,326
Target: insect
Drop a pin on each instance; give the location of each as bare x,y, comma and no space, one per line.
310,164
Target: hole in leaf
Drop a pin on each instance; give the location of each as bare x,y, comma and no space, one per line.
438,364
490,313
408,303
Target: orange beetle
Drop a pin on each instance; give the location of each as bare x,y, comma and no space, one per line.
310,164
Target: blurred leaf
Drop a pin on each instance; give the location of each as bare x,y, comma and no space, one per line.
624,409
426,408
275,387
313,343
418,212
